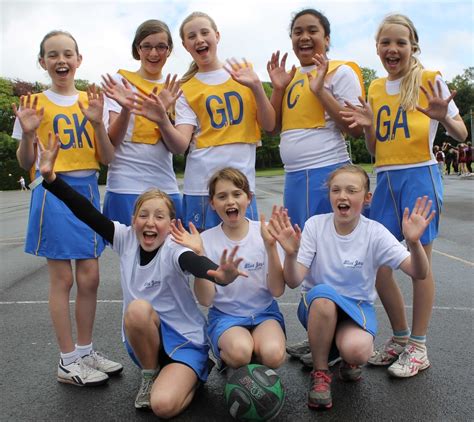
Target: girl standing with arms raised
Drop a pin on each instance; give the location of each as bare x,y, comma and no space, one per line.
400,124
142,160
307,102
217,117
53,231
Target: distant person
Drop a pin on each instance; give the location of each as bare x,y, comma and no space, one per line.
469,156
53,231
406,168
142,160
462,159
440,157
163,330
21,181
336,260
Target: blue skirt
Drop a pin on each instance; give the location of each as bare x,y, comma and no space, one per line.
54,231
219,322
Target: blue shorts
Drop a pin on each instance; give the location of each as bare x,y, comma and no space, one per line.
398,189
119,206
178,349
306,193
198,210
54,231
219,322
361,312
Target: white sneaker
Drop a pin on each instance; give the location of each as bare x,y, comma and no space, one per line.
98,361
410,362
386,354
80,374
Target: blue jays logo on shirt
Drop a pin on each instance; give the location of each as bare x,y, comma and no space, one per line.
151,283
352,264
253,266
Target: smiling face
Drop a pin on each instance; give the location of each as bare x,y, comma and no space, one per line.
348,195
152,223
200,39
395,50
60,59
153,52
308,38
230,203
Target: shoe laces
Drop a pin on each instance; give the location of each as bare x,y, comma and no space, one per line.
321,380
97,356
85,369
405,356
147,383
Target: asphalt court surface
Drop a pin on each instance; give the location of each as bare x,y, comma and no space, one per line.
29,354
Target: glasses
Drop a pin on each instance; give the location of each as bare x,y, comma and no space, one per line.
148,48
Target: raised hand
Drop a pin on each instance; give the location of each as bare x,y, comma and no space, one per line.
122,93
28,115
276,70
415,224
228,269
47,156
437,106
288,236
170,92
150,107
191,239
95,108
316,84
242,73
358,115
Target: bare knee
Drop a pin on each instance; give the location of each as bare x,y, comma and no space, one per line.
164,405
356,352
273,354
238,353
138,314
323,308
87,275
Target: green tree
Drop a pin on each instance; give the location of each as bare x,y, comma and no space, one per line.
369,75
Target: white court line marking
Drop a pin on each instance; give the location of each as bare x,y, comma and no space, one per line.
45,302
454,257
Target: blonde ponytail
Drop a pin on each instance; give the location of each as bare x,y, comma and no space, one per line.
193,69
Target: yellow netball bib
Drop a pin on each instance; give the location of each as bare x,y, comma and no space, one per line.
77,137
301,109
227,113
402,137
144,131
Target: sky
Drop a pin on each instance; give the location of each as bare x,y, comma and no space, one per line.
252,29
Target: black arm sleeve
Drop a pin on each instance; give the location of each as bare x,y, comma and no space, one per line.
197,265
82,208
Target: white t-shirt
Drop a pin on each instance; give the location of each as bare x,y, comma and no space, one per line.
138,167
202,163
302,149
347,263
161,282
393,88
244,296
63,101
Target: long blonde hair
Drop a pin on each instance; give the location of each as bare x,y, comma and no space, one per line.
193,68
410,85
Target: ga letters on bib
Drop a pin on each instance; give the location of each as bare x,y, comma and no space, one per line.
402,136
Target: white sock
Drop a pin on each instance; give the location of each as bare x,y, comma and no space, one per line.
69,358
84,350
